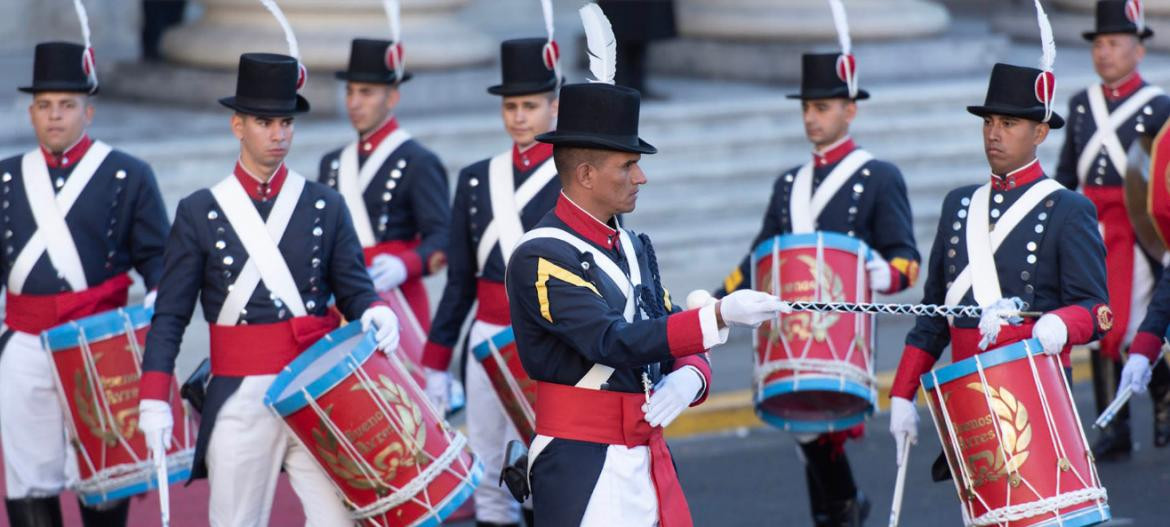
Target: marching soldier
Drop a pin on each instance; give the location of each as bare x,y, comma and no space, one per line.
842,189
595,329
395,189
78,215
1106,122
486,223
1022,235
264,250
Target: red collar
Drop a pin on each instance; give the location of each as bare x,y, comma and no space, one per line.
834,153
528,159
261,191
371,140
71,155
1124,88
584,223
1018,177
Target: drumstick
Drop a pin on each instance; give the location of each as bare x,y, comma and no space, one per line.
164,489
1122,397
900,484
928,310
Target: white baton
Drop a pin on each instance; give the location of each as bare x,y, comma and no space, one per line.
900,484
164,489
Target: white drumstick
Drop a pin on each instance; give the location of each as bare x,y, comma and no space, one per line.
900,485
164,489
1122,397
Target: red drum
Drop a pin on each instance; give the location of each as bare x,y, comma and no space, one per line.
98,363
392,458
517,392
412,336
814,371
1014,441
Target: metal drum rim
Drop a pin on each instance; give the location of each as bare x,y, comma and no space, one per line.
331,378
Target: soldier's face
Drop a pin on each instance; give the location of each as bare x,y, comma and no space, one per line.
1010,142
613,180
369,104
59,118
827,120
264,141
1116,55
527,116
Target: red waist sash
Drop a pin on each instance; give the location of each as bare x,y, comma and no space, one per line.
263,349
36,313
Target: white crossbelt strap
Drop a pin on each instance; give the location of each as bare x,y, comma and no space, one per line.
599,374
982,245
505,228
261,240
49,213
1107,124
352,181
806,206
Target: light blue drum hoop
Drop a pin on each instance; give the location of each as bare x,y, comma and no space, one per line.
96,327
286,401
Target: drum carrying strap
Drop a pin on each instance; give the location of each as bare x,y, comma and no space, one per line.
49,214
261,240
806,205
981,272
352,181
1107,124
505,228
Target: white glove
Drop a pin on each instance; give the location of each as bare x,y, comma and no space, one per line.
386,324
1135,374
438,389
699,298
673,394
747,308
155,421
903,424
148,300
387,272
879,273
1052,334
995,315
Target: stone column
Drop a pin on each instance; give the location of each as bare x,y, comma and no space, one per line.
805,20
432,37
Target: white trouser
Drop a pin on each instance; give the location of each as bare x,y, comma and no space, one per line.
249,445
32,424
624,494
1140,294
488,430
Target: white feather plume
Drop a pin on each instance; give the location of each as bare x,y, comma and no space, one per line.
1047,42
393,10
842,24
83,18
294,50
546,7
600,43
87,60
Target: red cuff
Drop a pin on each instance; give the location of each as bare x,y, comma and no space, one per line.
914,363
154,385
1079,322
684,335
1147,345
436,356
700,363
413,261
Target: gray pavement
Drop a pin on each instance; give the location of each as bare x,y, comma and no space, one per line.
753,478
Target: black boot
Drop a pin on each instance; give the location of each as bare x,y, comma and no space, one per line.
851,512
818,504
34,512
831,489
1114,442
114,514
529,517
1160,393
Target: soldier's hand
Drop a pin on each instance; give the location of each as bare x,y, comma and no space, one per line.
155,421
1052,334
903,423
673,394
995,315
878,269
387,271
747,308
385,324
1135,374
438,389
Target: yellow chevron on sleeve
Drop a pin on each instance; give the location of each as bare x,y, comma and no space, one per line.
733,280
545,270
907,267
666,300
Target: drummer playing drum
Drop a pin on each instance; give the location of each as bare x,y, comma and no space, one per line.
1021,234
264,250
849,192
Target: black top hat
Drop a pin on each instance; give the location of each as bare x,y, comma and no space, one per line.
523,68
1016,91
1118,16
267,86
58,66
370,60
822,76
598,115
